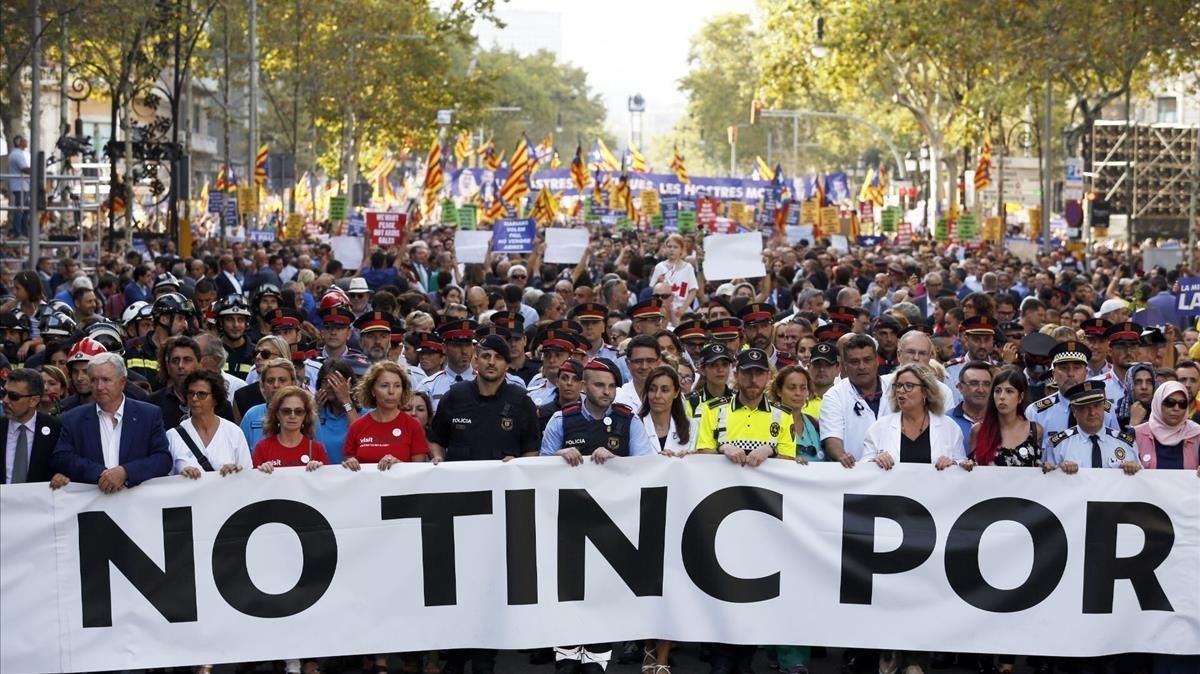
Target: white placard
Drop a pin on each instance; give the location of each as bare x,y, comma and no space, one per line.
798,233
839,243
1167,258
348,250
566,246
1023,249
493,555
471,246
730,256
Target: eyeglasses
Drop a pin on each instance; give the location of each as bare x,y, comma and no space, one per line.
518,277
976,384
917,355
906,386
199,395
1175,403
665,296
291,411
13,395
265,354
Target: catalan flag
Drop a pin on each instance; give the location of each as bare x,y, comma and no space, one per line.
983,172
578,172
678,166
864,192
495,210
764,169
435,179
491,161
220,183
636,161
545,208
545,149
262,167
600,188
876,185
555,162
602,158
624,196
520,168
462,149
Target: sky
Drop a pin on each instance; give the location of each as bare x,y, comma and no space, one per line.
625,46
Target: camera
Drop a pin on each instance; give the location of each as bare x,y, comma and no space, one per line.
71,146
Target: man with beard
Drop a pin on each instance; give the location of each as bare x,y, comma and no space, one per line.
375,335
759,326
979,338
18,344
180,357
520,364
852,404
459,336
170,314
886,332
233,318
1069,362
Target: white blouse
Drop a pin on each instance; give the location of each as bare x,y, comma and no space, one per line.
228,446
674,444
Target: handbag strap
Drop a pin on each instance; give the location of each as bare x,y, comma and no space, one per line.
200,457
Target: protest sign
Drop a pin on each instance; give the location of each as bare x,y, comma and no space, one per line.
565,246
839,243
888,218
687,222
386,227
348,250
941,230
1167,258
215,199
966,228
904,234
1023,249
260,235
449,212
247,200
798,233
337,208
650,202
467,216
513,236
1189,296
1004,560
356,225
471,246
728,256
291,230
707,209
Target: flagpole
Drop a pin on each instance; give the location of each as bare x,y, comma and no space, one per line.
252,166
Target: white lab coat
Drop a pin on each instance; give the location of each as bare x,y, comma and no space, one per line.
885,384
673,442
846,415
945,438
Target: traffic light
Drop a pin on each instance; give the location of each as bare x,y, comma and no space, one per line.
756,107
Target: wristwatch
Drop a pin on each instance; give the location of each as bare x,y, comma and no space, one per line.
348,407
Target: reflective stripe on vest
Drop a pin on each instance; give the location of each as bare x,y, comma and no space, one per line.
143,363
776,417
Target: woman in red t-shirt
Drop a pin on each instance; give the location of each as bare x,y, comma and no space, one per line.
289,425
387,434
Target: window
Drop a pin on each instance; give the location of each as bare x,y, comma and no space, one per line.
1167,110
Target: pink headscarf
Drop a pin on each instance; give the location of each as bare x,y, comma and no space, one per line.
1170,435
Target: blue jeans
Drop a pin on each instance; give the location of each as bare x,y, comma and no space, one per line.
20,219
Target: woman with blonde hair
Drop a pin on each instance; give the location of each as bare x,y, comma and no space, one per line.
267,348
289,427
387,434
677,273
920,432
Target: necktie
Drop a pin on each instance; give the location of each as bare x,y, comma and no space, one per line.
1097,462
21,461
457,378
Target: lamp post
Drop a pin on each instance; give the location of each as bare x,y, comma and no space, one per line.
911,166
1027,133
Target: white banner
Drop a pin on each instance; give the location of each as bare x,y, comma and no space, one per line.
534,553
730,256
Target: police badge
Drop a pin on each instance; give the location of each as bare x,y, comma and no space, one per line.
1120,452
506,423
613,442
774,429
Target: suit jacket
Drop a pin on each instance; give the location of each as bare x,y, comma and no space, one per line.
224,285
43,446
144,452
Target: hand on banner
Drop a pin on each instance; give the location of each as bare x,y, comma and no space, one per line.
59,481
570,455
943,463
191,473
387,462
230,468
801,459
351,463
112,480
1130,467
1069,467
1047,467
966,465
734,454
760,454
267,467
601,455
886,462
313,465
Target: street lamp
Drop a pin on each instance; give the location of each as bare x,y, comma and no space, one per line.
910,162
1028,132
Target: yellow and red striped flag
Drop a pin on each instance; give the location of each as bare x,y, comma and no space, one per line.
516,185
678,166
578,171
983,175
435,178
262,166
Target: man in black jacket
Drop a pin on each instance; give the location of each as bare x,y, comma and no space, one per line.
29,437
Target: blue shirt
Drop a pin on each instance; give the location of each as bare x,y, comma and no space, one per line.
331,432
135,292
639,442
378,278
252,425
965,425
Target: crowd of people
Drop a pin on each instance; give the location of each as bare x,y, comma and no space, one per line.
245,358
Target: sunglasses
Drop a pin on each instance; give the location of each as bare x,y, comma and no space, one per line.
13,395
199,395
1172,403
665,296
291,411
265,354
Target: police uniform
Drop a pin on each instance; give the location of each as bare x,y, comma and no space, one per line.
544,412
711,353
438,384
541,389
473,427
1054,411
726,421
618,429
1114,386
594,311
1107,448
341,315
976,325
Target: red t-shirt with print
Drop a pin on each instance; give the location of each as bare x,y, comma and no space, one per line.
271,449
369,440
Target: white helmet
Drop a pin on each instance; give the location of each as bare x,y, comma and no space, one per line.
136,311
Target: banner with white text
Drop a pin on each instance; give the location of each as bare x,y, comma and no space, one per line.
534,553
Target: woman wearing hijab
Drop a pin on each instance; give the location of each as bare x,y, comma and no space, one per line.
1140,382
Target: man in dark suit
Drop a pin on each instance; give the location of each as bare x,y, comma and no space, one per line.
116,443
29,437
933,290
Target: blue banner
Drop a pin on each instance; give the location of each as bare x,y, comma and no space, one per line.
468,182
1189,296
357,225
214,202
513,236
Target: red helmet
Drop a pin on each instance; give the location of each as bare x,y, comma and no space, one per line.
85,350
333,298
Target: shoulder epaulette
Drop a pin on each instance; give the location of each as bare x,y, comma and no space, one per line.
573,408
716,402
1107,404
622,409
1125,436
1058,436
1046,403
956,361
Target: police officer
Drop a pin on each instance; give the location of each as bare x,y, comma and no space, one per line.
746,427
375,330
521,365
459,336
569,384
170,314
335,330
596,427
1054,412
266,300
715,365
592,319
1093,333
431,356
1088,444
758,324
555,347
979,338
694,336
728,331
1124,342
487,418
233,318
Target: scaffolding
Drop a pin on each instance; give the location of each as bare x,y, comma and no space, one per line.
71,223
1148,172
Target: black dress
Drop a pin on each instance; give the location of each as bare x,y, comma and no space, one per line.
1027,454
915,451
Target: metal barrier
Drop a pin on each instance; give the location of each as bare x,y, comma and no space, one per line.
75,199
